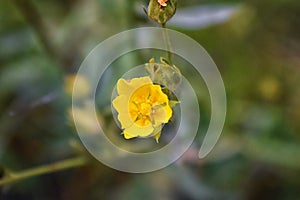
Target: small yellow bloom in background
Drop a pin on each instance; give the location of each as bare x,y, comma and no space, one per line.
83,83
142,108
162,2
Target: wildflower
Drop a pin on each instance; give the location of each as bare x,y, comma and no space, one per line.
142,108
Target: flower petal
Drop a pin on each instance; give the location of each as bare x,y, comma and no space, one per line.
128,136
157,96
123,87
139,82
142,131
121,103
125,120
128,87
161,114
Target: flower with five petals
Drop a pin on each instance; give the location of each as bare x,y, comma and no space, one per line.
142,108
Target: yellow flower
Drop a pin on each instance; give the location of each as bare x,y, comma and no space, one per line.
142,107
162,2
83,84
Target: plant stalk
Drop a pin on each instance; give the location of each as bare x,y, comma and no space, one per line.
45,169
168,43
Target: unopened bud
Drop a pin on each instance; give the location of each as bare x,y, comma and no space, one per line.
161,10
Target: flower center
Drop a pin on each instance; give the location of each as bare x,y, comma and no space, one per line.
140,106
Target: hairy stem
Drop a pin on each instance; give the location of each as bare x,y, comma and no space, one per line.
45,169
167,41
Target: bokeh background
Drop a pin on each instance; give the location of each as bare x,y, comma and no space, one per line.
256,46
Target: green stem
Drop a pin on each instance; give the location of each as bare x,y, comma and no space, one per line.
62,165
167,41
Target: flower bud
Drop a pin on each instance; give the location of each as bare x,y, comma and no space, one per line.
161,10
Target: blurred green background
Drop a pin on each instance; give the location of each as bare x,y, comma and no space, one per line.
256,47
